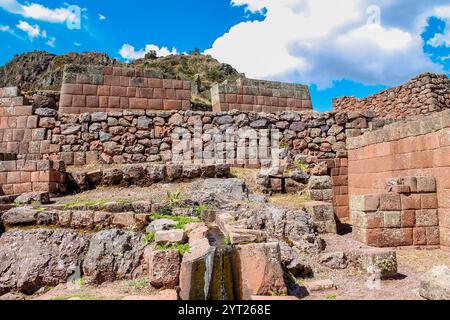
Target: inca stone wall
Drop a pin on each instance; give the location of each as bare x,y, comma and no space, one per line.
98,88
260,96
419,148
423,95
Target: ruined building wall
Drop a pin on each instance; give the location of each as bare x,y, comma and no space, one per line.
99,88
260,96
423,95
419,148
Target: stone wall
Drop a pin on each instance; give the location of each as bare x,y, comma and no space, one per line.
260,96
404,149
422,95
98,88
22,176
136,137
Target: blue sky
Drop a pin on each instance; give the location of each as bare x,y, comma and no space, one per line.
339,47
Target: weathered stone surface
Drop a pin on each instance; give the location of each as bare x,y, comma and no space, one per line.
298,269
435,284
160,225
20,217
31,259
334,260
320,285
165,295
260,270
381,262
164,268
320,182
113,255
170,237
196,271
234,189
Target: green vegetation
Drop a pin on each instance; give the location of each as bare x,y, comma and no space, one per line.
301,166
181,248
181,221
227,241
330,296
88,203
174,199
199,211
149,238
138,284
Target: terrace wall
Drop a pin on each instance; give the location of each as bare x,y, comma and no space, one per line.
98,89
260,96
419,148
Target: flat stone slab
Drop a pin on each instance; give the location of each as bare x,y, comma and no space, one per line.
320,285
170,237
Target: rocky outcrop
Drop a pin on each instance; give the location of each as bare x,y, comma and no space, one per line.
164,268
435,284
113,255
30,260
259,270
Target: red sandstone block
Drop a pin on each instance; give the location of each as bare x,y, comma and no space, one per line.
35,176
145,93
442,157
13,147
340,180
155,83
45,147
91,157
8,166
408,218
185,105
433,236
390,202
107,70
3,179
8,189
427,218
115,91
90,89
172,105
155,104
104,90
124,103
167,84
67,157
170,94
159,93
92,102
398,237
177,84
117,71
411,202
78,101
429,201
420,236
374,237
13,177
103,102
22,188
114,102
41,187
70,88
115,81
78,159
23,110
183,94
132,92
231,98
125,81
426,184
248,99
25,177
139,103
65,101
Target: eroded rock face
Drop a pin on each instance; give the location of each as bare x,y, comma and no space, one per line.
226,189
164,268
435,284
113,255
260,271
31,259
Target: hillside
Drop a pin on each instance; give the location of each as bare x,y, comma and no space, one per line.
40,70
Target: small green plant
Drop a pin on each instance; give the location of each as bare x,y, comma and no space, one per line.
387,264
149,238
301,166
199,211
79,282
138,284
181,221
80,296
330,296
174,199
227,241
181,248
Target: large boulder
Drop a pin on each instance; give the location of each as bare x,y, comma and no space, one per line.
20,216
260,270
32,259
196,271
435,284
113,255
164,268
230,189
33,197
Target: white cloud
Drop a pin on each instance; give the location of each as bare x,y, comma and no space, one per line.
5,28
319,41
38,12
77,44
51,42
32,31
128,52
101,17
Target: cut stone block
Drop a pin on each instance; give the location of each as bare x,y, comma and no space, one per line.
170,237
